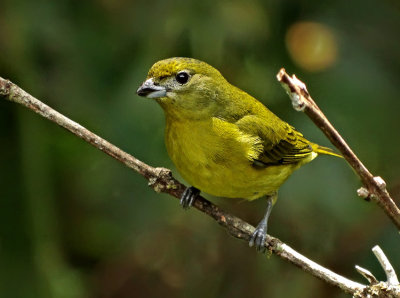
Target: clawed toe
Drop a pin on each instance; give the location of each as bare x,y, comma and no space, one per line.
258,239
189,196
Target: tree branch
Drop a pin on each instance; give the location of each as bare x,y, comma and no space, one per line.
374,187
161,180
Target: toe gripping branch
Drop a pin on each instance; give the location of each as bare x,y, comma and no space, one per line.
189,196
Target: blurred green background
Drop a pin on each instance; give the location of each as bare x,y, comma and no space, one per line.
76,223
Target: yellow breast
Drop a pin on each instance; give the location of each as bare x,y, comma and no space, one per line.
215,157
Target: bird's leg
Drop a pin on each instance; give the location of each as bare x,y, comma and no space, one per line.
189,195
260,234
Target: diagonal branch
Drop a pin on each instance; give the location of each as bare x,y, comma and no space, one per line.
375,187
161,180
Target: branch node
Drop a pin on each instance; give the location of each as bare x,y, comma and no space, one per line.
295,88
162,180
297,102
364,193
381,290
380,182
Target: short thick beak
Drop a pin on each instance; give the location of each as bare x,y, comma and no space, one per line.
150,89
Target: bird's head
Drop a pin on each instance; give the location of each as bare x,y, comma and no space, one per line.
184,87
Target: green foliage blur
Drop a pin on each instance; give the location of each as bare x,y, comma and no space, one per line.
76,223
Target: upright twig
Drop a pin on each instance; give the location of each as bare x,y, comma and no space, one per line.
375,187
387,267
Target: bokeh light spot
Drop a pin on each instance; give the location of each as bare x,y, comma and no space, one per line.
312,46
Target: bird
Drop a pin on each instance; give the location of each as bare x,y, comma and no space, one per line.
223,141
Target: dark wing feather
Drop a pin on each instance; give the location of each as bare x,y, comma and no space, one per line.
282,143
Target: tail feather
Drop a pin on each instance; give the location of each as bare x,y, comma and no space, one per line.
324,150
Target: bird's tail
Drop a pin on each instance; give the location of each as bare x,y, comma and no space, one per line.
324,150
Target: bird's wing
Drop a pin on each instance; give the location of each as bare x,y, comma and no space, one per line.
281,143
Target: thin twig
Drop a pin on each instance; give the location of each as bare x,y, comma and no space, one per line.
367,275
375,187
387,267
161,180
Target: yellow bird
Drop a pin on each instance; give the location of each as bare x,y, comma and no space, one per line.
222,140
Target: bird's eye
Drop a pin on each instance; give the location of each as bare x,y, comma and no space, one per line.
182,77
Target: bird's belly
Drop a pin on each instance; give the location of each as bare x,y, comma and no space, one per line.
236,181
220,167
